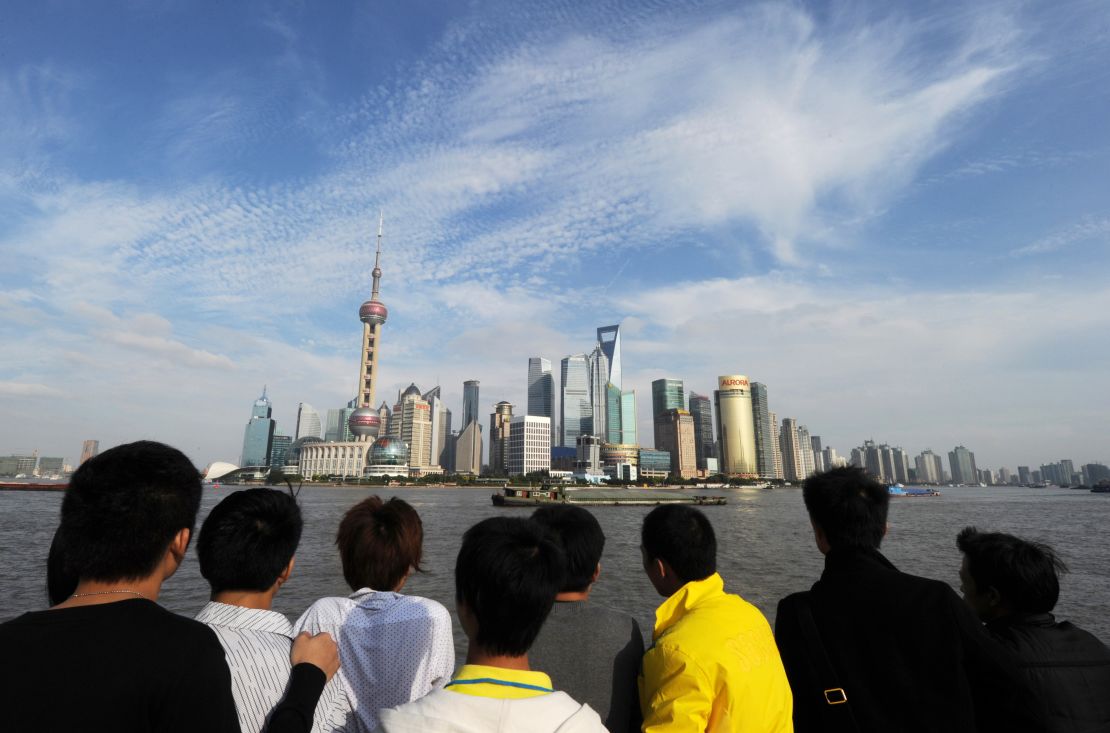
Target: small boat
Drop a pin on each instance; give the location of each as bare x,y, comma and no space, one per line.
901,491
532,496
1101,490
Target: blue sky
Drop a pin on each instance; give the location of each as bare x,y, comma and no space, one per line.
897,217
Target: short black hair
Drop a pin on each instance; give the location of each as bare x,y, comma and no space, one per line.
683,537
248,539
124,506
60,580
578,533
507,573
1025,574
849,506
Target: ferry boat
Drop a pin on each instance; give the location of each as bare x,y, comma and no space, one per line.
592,496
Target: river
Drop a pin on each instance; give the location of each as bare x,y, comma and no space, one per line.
765,546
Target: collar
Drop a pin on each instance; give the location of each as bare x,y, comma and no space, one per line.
483,681
247,619
373,599
684,600
1023,619
847,559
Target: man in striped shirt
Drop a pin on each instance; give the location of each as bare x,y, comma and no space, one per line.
246,550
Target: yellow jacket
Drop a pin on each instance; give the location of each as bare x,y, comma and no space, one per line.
714,666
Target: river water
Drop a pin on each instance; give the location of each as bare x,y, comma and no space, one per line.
766,548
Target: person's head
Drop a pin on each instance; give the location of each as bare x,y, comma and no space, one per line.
129,512
380,543
678,546
1002,574
247,541
579,535
506,577
847,508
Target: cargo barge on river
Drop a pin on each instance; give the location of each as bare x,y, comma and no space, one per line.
533,496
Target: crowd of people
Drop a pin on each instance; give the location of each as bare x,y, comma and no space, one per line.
868,648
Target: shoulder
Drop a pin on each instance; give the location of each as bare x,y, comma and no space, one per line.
332,608
420,606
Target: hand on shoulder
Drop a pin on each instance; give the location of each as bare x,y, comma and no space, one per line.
319,650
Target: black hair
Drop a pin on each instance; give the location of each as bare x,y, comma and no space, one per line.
60,580
579,535
248,539
124,506
683,537
1025,574
849,506
379,542
507,573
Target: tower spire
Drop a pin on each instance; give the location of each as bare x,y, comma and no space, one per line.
377,272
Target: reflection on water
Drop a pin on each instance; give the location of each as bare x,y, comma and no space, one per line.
765,546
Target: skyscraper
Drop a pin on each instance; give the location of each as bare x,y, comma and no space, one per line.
575,412
364,422
333,430
805,447
776,446
763,424
599,394
470,402
500,429
666,394
735,426
612,413
930,468
439,416
258,436
308,422
701,410
541,387
962,463
629,430
468,450
676,434
89,449
793,466
279,450
818,455
609,337
411,422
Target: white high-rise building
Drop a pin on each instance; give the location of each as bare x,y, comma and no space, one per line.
529,445
308,422
541,389
609,338
793,465
805,448
776,447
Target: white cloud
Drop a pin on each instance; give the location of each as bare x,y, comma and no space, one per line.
1087,229
26,389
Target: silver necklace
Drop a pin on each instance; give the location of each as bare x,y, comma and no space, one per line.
109,592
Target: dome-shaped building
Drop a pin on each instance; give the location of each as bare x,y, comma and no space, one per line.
388,457
365,422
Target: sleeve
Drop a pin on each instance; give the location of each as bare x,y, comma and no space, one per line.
1003,700
629,661
201,698
675,696
294,713
795,661
443,648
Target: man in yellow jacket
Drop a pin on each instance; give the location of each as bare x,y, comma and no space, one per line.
714,665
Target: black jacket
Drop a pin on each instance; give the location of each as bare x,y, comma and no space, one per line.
908,652
1067,668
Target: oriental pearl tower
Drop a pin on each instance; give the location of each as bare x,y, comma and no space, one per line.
364,421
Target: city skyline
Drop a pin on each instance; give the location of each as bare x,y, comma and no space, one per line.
921,255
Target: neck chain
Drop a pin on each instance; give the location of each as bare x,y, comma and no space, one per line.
109,592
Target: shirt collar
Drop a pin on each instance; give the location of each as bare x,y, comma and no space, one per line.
501,674
684,600
247,619
370,598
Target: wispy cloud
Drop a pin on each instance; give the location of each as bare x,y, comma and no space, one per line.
1088,229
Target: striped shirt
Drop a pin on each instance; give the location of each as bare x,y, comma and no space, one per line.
256,646
393,648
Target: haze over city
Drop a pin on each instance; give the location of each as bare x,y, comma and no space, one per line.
896,219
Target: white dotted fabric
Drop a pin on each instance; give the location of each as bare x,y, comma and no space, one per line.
393,648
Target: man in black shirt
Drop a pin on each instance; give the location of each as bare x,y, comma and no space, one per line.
109,657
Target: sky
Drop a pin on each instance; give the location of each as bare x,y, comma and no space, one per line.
895,215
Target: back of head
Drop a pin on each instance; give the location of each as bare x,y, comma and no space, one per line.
507,574
248,539
1025,574
379,542
847,505
124,507
579,535
682,537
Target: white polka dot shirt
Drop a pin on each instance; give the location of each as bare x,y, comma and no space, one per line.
393,648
